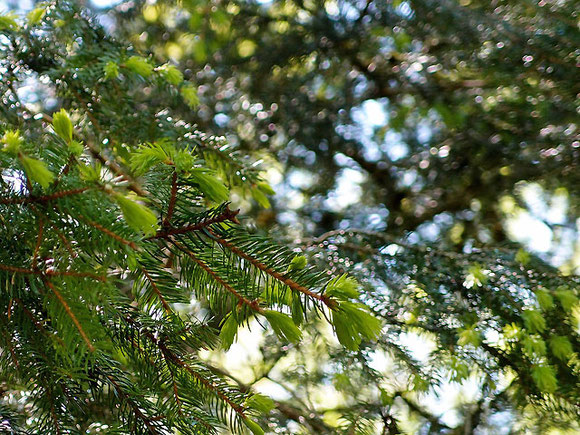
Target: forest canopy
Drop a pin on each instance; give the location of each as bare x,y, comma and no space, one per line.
289,216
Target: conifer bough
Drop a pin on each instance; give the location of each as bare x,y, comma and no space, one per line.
112,211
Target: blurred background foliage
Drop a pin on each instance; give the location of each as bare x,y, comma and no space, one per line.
431,149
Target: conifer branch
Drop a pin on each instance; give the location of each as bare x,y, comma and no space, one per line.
242,300
22,270
138,413
36,323
226,215
51,272
44,198
330,303
116,169
157,291
157,343
176,393
110,233
109,163
70,313
172,200
38,241
75,274
171,356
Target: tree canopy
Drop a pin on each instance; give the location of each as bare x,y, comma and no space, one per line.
422,147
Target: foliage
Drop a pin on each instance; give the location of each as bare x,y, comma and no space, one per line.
434,129
113,213
430,129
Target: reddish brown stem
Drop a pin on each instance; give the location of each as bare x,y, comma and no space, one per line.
330,303
110,233
65,170
36,322
72,273
65,241
38,241
178,361
176,394
44,198
157,291
226,215
242,300
19,269
70,313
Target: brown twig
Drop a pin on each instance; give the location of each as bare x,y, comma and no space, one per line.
38,241
66,242
157,291
330,303
110,233
226,215
72,273
176,394
44,198
70,313
147,420
242,300
65,170
17,269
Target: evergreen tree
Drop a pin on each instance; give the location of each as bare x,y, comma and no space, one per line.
473,108
479,101
113,213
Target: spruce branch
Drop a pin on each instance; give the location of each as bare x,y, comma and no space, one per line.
171,356
52,272
70,313
36,323
172,200
110,233
97,153
108,162
225,215
147,421
43,198
157,291
329,302
253,305
38,241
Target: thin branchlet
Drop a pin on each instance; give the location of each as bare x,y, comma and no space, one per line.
43,198
70,313
253,304
330,303
225,215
